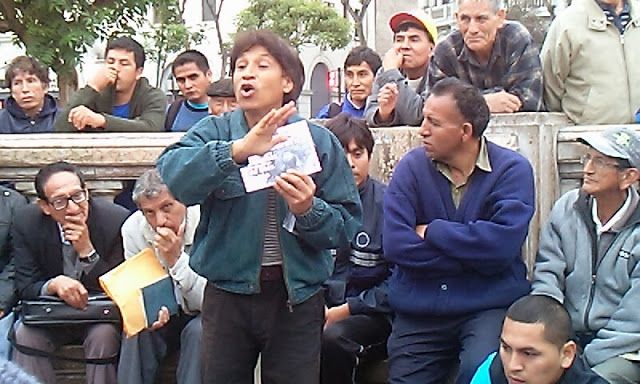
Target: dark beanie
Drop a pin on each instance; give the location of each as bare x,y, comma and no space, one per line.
221,88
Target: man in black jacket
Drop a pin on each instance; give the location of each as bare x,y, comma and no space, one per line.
10,200
62,244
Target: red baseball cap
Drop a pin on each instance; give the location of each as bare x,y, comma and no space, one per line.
415,17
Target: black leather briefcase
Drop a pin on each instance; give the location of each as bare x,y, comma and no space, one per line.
52,311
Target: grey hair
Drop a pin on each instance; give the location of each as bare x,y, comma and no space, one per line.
148,185
496,5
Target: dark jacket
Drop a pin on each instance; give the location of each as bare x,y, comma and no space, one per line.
14,120
146,109
10,200
360,273
38,247
492,372
228,244
471,257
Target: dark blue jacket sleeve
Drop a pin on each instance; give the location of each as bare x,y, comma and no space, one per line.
486,245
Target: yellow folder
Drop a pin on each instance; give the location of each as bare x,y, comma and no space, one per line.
124,286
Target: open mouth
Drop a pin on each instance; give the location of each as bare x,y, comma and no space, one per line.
247,90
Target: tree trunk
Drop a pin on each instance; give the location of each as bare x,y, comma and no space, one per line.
360,32
67,84
223,50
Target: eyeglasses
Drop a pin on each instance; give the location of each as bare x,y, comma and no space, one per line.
598,163
60,203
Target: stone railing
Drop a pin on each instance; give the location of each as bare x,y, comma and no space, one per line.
107,159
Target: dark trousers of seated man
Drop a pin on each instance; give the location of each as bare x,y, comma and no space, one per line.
98,340
237,328
349,341
142,354
425,349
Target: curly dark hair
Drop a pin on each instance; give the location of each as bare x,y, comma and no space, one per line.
26,64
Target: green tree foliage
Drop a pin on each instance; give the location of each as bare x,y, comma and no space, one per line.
299,21
57,32
169,34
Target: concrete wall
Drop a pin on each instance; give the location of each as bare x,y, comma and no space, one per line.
106,159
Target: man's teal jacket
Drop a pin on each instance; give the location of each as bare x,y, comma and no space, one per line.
229,241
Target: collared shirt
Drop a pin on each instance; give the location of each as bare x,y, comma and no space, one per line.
71,265
620,217
514,65
482,162
619,20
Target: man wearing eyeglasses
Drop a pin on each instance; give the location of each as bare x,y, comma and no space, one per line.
589,256
62,244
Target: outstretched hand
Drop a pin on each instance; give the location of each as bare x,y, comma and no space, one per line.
261,138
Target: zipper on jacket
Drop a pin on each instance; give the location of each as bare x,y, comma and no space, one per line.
594,268
592,287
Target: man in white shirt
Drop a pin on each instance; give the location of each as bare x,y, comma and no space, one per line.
168,227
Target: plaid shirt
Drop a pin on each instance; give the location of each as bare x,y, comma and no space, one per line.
514,65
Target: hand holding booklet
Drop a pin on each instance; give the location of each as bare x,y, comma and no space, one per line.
297,152
140,286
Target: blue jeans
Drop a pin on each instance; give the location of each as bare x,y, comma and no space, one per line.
425,349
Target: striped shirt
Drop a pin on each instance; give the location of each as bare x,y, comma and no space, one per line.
271,252
619,20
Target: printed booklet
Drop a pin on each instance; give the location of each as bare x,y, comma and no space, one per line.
297,152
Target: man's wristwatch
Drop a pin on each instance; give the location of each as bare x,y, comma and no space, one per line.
90,258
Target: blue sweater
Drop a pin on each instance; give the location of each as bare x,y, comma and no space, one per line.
470,259
346,107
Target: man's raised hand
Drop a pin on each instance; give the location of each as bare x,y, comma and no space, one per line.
260,138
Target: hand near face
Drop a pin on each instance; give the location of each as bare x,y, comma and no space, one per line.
163,319
70,290
387,100
503,102
392,59
260,138
336,314
77,232
169,244
297,189
82,117
104,77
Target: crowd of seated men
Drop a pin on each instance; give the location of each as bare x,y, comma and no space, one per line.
322,272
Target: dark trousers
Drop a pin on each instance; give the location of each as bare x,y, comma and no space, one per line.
98,340
237,328
424,349
348,341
